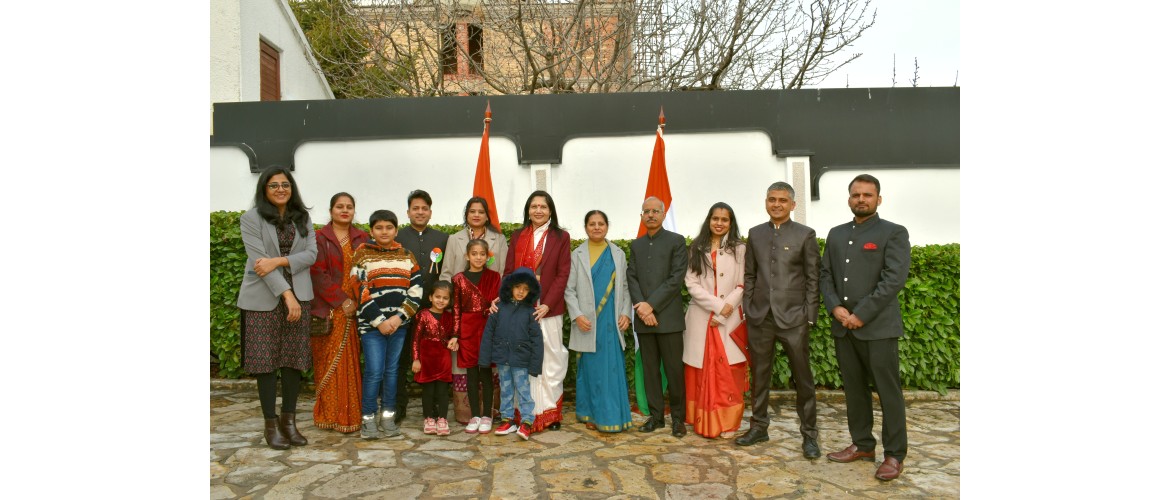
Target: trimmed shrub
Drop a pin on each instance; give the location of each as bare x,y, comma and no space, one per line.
930,309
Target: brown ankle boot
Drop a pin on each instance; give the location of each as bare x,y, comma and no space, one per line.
288,426
273,435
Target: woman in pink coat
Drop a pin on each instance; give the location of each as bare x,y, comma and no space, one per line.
715,364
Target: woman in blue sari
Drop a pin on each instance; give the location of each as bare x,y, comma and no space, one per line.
598,300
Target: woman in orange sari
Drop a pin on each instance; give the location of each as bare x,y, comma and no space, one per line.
715,365
336,371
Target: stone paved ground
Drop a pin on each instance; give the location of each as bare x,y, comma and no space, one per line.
573,462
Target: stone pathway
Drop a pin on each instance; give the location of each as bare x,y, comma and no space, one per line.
573,462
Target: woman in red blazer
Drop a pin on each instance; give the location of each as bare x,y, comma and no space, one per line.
541,245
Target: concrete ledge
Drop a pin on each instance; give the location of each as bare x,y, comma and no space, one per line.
784,396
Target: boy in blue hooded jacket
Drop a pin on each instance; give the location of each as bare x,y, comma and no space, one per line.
512,340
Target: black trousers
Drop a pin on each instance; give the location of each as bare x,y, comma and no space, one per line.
405,359
762,344
435,398
667,349
862,361
480,399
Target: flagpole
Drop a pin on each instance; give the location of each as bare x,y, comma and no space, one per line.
658,186
482,186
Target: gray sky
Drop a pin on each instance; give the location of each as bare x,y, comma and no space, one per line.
926,29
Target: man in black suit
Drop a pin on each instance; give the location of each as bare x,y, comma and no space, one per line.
781,300
658,263
421,240
865,265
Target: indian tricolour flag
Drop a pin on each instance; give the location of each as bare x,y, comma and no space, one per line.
658,186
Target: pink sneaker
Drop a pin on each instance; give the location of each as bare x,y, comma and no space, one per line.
485,425
472,426
429,426
442,429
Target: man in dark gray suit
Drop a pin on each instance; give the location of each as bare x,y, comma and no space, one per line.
658,263
865,266
780,295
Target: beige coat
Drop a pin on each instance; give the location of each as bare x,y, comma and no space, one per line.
455,255
704,302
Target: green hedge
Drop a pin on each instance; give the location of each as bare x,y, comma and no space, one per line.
930,308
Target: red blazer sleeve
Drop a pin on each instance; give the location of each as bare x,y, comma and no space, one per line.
510,262
552,288
324,285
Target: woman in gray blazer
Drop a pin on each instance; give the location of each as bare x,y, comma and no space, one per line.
275,299
598,300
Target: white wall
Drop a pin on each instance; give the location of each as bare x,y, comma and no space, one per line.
225,51
610,173
232,183
236,30
925,201
607,173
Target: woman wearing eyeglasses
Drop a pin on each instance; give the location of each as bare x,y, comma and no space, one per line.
275,300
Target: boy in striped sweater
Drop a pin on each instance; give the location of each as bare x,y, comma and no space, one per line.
388,285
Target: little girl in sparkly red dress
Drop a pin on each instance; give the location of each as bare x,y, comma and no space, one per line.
434,339
474,291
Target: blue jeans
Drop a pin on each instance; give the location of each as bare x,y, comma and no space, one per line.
380,374
514,383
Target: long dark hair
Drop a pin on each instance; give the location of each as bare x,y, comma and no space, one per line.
488,213
295,211
701,245
552,210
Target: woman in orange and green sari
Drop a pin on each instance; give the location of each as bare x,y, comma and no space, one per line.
598,300
336,348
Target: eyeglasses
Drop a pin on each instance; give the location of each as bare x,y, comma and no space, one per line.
279,185
651,211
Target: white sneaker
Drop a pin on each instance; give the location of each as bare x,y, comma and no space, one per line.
485,425
473,425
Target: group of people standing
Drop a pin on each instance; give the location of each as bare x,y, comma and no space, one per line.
448,307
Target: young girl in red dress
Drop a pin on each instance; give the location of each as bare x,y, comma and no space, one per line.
475,289
434,339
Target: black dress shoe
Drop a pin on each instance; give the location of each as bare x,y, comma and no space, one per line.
555,426
752,436
811,450
678,428
651,424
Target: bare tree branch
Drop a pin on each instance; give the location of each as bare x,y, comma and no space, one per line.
437,47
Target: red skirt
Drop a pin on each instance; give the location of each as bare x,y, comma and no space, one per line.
436,361
715,392
471,333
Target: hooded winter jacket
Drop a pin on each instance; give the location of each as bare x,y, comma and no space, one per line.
512,336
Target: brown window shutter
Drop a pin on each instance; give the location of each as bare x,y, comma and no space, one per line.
269,73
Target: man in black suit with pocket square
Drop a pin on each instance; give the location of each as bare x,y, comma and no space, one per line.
865,265
781,303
